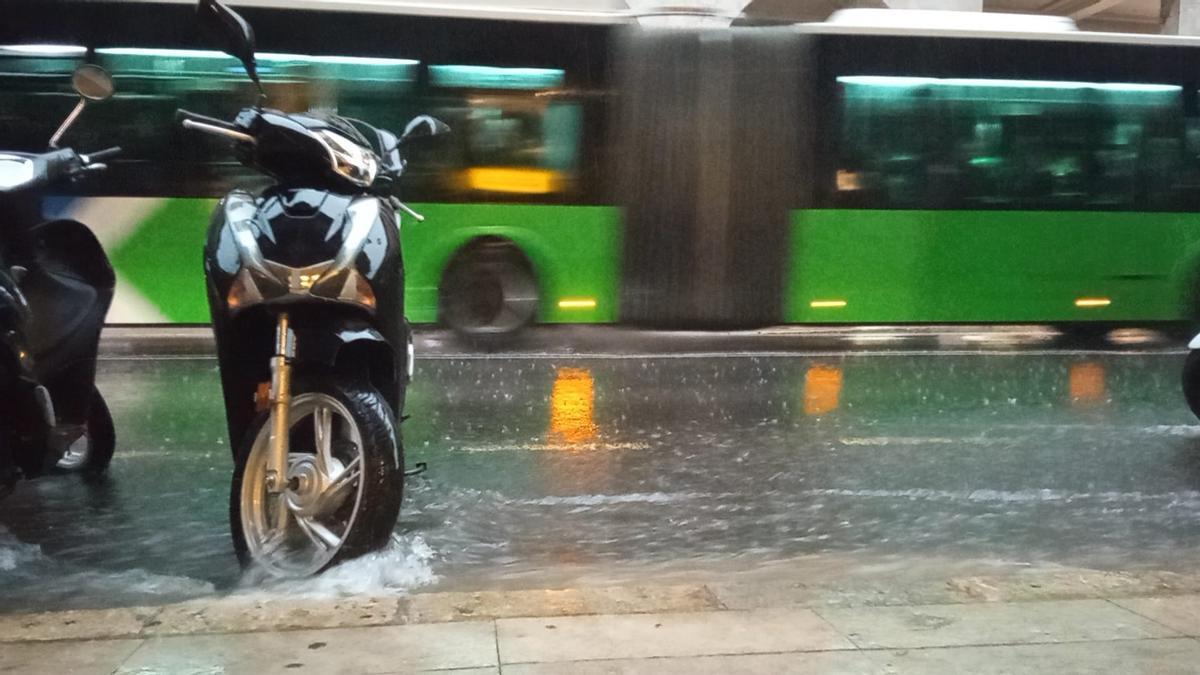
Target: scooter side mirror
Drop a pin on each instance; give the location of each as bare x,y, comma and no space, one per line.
231,32
423,126
92,82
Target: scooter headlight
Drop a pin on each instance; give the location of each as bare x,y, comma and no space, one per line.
350,160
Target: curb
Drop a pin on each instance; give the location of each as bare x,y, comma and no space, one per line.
249,613
119,342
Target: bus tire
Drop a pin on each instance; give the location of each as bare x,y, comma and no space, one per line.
1191,381
488,293
1084,333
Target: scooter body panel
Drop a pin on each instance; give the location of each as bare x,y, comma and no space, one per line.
304,230
69,288
50,324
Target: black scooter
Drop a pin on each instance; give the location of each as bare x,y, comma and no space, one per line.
306,290
55,288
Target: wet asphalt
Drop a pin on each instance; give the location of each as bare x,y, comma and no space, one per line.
553,469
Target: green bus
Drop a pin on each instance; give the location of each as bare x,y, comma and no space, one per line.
839,172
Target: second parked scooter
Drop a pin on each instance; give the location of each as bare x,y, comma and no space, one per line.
55,288
306,290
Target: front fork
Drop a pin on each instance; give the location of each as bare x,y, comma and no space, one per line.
281,405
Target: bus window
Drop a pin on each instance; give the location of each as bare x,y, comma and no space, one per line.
520,146
518,136
1024,144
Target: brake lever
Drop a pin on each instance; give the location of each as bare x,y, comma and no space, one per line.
404,207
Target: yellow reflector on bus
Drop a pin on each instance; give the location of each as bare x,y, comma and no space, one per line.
577,303
514,181
1092,302
827,304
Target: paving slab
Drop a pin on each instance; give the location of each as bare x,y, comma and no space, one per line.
1173,656
247,614
380,649
578,638
799,663
1181,613
769,594
992,623
437,607
1073,584
84,624
1019,586
75,658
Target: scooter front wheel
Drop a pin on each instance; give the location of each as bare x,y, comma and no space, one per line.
344,482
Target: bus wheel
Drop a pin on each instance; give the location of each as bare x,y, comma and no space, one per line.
488,292
1084,334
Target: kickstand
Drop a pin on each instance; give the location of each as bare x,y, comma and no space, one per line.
418,469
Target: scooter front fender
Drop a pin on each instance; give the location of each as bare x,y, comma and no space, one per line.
323,343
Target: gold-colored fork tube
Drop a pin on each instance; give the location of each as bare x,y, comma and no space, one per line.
281,403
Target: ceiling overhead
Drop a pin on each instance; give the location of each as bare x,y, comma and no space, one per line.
1140,16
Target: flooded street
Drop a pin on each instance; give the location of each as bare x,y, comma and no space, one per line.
551,470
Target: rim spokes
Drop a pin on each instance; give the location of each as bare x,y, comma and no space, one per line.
318,533
342,482
273,543
323,437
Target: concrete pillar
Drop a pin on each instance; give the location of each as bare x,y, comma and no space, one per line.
1181,17
953,5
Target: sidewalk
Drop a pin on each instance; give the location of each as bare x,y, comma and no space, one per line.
1070,622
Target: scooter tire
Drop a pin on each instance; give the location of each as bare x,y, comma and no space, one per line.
1191,381
383,469
101,439
102,435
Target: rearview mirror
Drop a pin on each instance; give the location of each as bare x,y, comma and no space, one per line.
92,82
423,126
231,32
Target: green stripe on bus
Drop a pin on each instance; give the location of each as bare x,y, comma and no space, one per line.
990,266
574,251
163,259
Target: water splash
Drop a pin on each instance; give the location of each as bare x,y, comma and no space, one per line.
405,564
15,553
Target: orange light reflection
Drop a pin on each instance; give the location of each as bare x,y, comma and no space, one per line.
572,403
1087,383
822,389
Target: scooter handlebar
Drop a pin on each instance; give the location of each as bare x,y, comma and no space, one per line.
211,125
101,155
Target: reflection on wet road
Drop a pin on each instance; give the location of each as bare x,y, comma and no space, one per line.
556,470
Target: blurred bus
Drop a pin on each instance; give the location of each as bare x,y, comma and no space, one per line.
518,226
821,173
